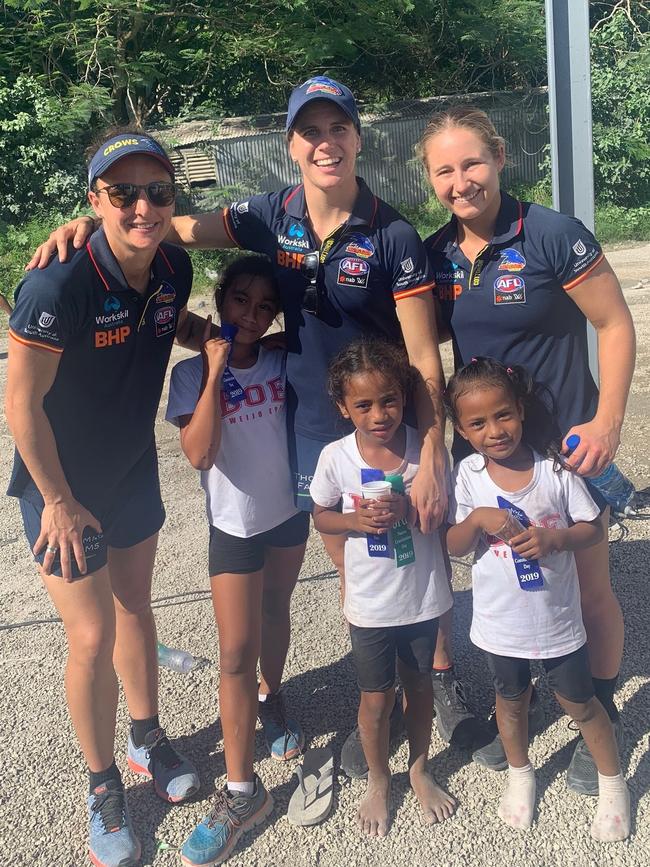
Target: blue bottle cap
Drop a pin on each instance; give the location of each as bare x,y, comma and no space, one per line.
573,441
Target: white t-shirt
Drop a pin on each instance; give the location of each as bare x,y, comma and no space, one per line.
529,624
377,593
248,489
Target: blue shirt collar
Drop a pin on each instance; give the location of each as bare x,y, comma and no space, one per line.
509,225
108,268
363,212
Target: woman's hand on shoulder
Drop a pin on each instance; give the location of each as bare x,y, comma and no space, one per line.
598,445
78,231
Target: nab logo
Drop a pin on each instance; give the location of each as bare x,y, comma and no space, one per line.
509,283
112,337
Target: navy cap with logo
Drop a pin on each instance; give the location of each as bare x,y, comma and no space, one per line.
125,145
322,87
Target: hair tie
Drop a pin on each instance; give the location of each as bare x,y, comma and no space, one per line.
509,371
474,360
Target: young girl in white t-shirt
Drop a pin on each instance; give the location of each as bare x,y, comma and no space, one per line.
229,403
523,514
392,601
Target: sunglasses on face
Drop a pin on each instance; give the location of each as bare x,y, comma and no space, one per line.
309,267
160,194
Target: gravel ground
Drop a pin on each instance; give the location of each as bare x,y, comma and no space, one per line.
43,784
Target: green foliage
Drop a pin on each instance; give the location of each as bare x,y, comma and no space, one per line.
17,243
621,108
161,58
41,166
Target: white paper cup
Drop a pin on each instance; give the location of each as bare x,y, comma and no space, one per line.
373,490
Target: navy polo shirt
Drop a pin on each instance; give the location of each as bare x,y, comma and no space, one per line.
514,303
367,266
114,345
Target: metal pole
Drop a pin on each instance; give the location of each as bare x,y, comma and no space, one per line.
569,97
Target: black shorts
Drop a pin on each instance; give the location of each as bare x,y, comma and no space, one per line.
568,676
375,650
134,513
242,556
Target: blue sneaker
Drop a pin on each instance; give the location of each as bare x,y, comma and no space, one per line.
284,737
213,839
174,777
112,841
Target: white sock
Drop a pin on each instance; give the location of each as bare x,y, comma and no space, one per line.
518,801
612,820
241,788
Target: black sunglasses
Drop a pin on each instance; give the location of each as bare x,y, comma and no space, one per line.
311,298
160,194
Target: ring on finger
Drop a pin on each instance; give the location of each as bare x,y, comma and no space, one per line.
52,549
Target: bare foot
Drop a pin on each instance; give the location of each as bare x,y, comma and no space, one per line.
372,817
436,804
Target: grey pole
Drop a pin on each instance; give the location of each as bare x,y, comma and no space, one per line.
569,97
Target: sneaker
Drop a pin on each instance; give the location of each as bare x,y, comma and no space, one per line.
582,774
112,841
174,777
492,754
456,723
213,839
353,759
284,737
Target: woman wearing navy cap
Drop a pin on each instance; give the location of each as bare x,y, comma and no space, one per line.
347,264
89,344
519,282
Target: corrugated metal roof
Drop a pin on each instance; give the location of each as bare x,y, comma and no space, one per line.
210,129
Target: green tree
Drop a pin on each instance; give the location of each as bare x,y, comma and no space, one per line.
41,138
620,49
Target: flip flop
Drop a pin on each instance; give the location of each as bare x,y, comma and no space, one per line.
312,800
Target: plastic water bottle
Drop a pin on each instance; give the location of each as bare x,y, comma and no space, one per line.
616,488
175,659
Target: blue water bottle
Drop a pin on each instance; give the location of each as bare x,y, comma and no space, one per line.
616,488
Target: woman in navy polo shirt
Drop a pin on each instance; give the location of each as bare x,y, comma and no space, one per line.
89,345
518,282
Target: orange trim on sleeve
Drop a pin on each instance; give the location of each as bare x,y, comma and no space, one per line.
584,274
417,290
226,224
34,343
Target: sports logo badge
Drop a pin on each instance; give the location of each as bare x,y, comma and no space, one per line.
360,245
322,84
511,260
509,289
407,265
353,272
579,247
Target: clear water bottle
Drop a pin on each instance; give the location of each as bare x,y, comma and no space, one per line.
175,659
616,488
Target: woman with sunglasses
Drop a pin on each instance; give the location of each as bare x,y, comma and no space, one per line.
90,342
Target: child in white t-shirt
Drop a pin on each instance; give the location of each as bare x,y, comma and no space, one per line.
392,601
229,403
523,514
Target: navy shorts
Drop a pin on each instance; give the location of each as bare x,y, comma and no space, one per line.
375,650
134,513
239,556
569,676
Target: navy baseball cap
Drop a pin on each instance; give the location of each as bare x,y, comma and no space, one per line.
125,145
322,87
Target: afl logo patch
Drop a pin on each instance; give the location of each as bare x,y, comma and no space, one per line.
353,272
509,289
